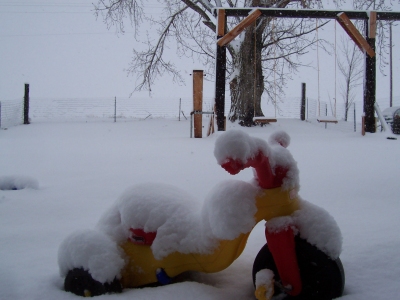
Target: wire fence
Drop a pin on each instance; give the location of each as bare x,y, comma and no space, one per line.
120,109
113,108
11,113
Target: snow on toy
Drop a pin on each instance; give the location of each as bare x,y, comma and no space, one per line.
155,232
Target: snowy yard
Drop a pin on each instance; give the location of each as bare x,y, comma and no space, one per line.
82,168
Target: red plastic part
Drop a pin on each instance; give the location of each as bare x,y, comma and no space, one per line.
282,246
266,177
140,237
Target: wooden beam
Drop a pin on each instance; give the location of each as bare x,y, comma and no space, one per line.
220,73
221,22
355,35
370,85
246,22
372,25
312,13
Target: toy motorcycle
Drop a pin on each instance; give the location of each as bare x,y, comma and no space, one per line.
155,232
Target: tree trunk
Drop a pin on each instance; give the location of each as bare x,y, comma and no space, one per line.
347,97
248,85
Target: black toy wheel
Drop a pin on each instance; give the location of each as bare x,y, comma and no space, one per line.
81,283
322,278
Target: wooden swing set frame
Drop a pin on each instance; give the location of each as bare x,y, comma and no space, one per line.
250,15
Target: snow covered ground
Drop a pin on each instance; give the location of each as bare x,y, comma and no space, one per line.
75,171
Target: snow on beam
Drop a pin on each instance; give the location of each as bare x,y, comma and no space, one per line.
355,35
312,13
246,22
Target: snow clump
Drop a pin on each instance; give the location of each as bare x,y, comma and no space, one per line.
181,223
319,228
237,144
315,225
93,251
17,183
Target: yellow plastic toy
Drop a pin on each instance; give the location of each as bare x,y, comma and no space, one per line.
142,266
287,264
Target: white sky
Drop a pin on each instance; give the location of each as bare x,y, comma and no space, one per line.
61,50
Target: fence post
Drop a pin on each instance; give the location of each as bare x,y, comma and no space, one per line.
180,104
303,102
198,102
26,104
115,109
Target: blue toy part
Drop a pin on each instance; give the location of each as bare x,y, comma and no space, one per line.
162,277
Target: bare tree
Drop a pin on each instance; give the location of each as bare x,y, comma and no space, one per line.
350,63
259,61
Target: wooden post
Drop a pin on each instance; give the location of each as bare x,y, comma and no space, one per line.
363,125
370,76
180,105
303,102
26,104
220,73
391,65
115,109
198,102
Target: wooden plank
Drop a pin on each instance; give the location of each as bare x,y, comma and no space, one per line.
355,35
198,102
246,22
211,125
327,121
221,22
372,25
264,120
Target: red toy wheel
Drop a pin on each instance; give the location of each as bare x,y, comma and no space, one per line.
322,278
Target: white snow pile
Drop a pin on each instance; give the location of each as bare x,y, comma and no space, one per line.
315,225
319,228
18,183
91,250
181,224
239,145
229,209
265,278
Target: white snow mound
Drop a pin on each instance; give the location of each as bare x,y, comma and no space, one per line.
18,183
180,222
319,228
93,251
237,144
315,225
264,277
